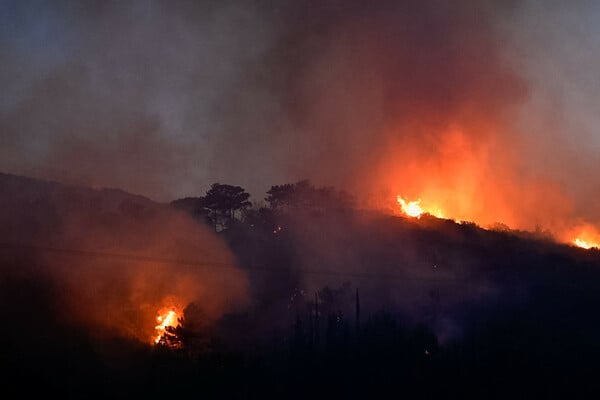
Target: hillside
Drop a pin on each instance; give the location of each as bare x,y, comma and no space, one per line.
304,295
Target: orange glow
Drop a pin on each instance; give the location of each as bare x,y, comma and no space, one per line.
167,317
454,171
471,170
410,208
586,236
414,208
584,244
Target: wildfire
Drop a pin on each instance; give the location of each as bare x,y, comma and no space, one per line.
585,244
415,210
585,236
166,318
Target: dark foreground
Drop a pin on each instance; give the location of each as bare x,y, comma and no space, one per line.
546,349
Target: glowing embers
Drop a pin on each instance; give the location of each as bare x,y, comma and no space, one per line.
416,210
168,321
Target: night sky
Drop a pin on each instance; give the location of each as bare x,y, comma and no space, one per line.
164,98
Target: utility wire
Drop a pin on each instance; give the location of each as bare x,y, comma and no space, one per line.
215,265
102,254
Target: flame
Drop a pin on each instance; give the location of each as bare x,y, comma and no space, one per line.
585,244
584,235
587,237
167,317
470,170
415,210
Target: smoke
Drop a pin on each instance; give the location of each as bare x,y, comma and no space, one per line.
113,260
424,272
420,100
482,109
121,95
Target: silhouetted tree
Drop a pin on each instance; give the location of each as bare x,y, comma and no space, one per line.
191,332
223,201
260,216
280,195
303,195
169,338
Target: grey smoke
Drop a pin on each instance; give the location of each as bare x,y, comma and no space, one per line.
165,98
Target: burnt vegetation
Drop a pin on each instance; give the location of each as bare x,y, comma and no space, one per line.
345,303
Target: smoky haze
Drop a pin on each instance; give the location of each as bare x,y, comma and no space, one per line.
443,101
112,260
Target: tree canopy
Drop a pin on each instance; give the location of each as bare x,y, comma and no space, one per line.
304,195
223,201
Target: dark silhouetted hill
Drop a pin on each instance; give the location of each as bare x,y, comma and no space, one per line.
319,302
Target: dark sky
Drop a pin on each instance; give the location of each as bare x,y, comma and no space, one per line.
163,98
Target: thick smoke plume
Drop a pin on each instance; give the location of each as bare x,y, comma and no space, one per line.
437,100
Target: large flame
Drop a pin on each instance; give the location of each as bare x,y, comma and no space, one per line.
471,171
586,236
447,175
167,317
585,244
414,208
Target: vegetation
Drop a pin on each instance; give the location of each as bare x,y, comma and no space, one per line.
220,206
345,304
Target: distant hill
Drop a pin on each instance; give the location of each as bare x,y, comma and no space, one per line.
32,209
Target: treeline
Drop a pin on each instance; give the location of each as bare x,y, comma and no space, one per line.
223,205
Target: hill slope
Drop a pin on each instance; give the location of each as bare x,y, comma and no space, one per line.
287,297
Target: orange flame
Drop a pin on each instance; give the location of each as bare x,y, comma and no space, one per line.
167,317
585,244
467,177
415,210
587,237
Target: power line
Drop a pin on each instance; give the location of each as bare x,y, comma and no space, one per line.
216,265
102,254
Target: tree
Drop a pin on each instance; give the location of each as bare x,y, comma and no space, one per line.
280,196
191,332
303,195
223,201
